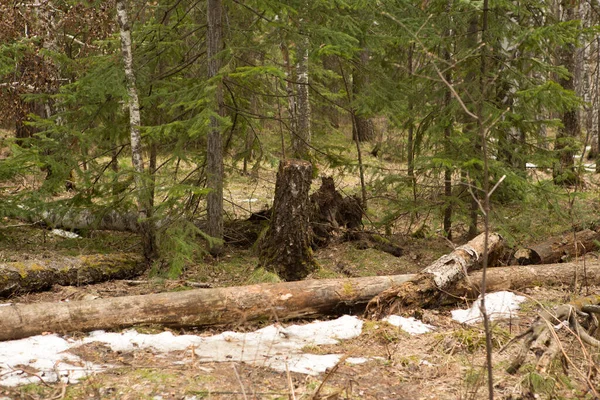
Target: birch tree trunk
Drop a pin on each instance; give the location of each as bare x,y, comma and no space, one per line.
301,141
144,196
214,162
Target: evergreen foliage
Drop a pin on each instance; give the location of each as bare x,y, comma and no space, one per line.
422,65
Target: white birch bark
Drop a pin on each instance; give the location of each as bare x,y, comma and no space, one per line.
301,141
143,199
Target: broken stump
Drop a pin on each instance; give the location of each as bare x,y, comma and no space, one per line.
286,246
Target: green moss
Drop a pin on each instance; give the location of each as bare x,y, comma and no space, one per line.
261,275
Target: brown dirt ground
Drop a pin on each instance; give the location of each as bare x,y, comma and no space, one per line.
445,364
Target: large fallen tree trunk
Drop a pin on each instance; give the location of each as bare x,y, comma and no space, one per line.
428,288
558,249
234,305
197,307
35,275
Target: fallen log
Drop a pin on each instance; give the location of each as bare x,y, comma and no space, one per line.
198,307
428,288
35,275
521,277
235,305
558,249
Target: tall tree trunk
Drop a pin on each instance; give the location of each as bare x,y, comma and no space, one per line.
214,154
301,141
564,172
472,129
364,130
448,144
411,128
144,197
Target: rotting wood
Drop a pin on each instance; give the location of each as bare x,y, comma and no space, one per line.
428,287
236,305
558,249
36,275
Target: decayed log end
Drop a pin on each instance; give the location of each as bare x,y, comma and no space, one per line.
420,292
430,285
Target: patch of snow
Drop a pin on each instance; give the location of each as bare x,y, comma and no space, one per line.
411,325
65,234
356,360
44,354
499,305
273,346
530,165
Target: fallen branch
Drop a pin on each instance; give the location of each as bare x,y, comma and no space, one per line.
428,287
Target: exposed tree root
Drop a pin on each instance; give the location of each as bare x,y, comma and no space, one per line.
540,337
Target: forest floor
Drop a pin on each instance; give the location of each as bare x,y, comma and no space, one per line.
444,364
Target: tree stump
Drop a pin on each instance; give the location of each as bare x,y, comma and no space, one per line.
286,248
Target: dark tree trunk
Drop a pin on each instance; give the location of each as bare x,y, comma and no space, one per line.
364,129
448,145
286,247
564,172
214,161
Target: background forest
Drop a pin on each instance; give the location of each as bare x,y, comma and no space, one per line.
429,103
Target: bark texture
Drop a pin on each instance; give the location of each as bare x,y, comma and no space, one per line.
233,305
214,158
286,247
364,128
33,275
427,289
522,277
558,249
301,141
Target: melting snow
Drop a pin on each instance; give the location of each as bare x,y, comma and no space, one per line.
499,305
65,234
410,325
274,346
